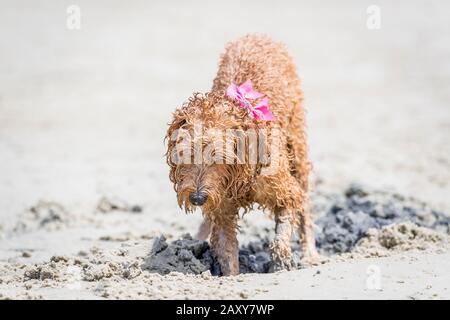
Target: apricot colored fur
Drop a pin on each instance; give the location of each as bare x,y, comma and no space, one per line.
231,187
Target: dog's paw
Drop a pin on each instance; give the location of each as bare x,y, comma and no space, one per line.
280,265
312,259
281,256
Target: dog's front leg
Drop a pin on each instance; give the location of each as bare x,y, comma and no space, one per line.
224,242
204,230
281,245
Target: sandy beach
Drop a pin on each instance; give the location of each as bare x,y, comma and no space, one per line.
84,187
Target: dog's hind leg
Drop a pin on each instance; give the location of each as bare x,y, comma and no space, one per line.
224,241
307,240
281,246
300,169
204,230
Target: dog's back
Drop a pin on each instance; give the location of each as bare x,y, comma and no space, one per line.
268,65
271,69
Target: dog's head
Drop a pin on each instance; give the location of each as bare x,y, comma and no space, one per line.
202,158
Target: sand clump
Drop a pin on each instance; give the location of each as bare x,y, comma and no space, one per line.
110,204
41,272
47,215
400,237
96,265
52,215
344,219
186,255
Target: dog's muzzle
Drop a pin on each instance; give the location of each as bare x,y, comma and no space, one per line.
198,198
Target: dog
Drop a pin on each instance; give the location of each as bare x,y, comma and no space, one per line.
256,89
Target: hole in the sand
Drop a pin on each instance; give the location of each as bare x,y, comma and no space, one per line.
342,221
192,256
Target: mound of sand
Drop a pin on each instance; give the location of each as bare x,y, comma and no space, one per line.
344,219
185,255
191,256
48,215
399,238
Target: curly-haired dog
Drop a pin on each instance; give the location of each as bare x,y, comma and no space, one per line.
222,189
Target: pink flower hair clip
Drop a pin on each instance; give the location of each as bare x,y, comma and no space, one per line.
246,95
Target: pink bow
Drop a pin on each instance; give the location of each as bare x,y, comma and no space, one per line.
244,94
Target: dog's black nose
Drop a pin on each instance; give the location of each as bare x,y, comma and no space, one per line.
198,198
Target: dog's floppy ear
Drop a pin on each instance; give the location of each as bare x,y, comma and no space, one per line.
178,122
181,115
180,119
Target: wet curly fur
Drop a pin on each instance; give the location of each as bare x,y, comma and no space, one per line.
232,186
